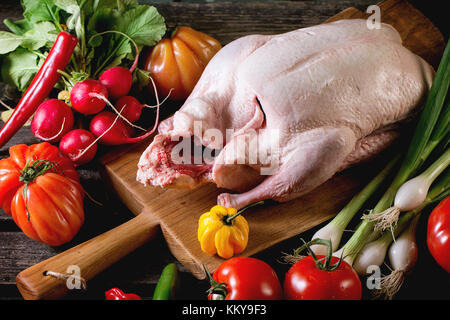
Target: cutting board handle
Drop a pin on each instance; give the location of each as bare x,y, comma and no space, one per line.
89,258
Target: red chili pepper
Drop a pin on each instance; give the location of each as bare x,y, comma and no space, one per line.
41,86
117,294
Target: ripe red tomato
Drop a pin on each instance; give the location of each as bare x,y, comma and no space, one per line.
438,234
40,188
247,279
305,281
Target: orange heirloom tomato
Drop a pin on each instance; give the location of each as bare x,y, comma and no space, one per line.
177,63
40,188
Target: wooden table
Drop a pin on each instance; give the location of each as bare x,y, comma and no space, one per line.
140,271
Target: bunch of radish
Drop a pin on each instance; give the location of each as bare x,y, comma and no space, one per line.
54,119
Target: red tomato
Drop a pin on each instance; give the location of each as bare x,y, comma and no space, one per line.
438,234
305,281
248,279
53,211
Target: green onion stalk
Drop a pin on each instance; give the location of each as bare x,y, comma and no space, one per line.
335,228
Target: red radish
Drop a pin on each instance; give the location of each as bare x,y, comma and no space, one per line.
52,120
79,145
118,131
84,96
110,129
132,108
116,111
117,81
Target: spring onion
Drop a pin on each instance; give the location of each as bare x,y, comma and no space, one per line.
403,257
431,127
374,252
334,229
356,252
412,193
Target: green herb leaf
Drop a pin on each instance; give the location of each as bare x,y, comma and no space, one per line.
92,6
41,34
101,20
24,25
19,67
116,61
13,26
9,41
70,6
143,24
74,21
125,5
40,10
141,79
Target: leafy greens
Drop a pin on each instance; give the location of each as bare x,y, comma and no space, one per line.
23,49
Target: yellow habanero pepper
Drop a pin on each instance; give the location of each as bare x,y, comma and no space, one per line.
223,231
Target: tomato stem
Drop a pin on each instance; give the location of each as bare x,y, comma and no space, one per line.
30,172
322,265
172,33
218,290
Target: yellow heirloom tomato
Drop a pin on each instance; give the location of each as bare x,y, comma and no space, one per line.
223,231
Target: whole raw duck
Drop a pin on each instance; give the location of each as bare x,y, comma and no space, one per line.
286,112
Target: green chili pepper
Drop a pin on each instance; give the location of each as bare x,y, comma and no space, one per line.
166,286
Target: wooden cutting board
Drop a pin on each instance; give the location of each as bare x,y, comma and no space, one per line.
176,212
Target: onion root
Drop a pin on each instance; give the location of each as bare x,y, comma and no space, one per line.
386,219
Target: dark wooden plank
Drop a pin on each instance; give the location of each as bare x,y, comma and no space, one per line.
139,271
228,21
236,18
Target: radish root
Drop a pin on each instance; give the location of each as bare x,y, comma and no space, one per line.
101,97
80,154
383,220
157,105
5,105
93,200
162,102
51,138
